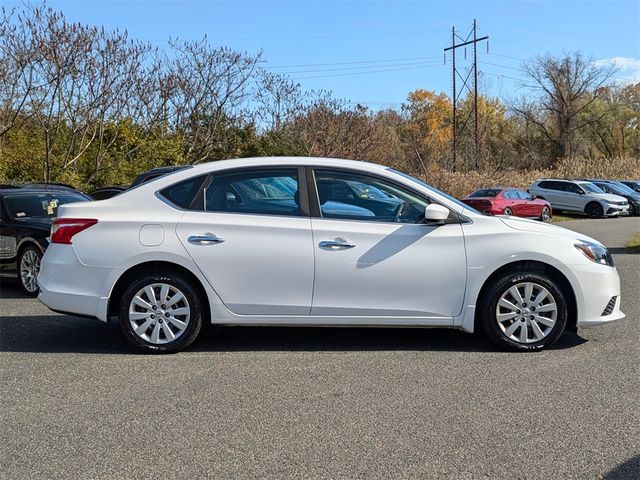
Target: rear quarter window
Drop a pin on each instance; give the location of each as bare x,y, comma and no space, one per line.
183,193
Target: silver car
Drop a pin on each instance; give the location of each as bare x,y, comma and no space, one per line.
579,196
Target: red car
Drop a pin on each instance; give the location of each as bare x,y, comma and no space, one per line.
509,201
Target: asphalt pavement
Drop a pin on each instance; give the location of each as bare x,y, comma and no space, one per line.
78,402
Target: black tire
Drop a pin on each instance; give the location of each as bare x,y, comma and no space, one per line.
594,210
489,303
191,299
545,214
28,253
508,211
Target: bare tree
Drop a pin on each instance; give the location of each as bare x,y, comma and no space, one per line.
206,90
16,73
563,88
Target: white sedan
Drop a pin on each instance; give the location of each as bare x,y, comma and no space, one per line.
318,241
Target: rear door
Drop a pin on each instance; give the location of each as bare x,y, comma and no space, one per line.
250,235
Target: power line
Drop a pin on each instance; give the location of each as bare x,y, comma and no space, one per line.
355,62
364,67
368,72
501,66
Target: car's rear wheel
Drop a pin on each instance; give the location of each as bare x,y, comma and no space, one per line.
161,313
28,268
524,311
594,210
545,215
508,211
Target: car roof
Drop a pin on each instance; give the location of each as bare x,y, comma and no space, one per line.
37,188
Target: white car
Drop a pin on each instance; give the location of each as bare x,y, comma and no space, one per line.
580,197
318,241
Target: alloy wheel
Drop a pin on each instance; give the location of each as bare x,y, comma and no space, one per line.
526,312
159,313
29,268
508,211
546,216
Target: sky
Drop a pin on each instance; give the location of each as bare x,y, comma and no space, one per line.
375,53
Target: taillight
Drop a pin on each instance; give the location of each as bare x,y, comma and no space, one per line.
63,229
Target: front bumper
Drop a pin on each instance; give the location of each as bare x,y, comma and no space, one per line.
618,210
595,285
69,286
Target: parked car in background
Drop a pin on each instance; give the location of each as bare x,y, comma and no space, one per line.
618,188
632,184
26,212
103,193
580,197
156,173
509,201
260,241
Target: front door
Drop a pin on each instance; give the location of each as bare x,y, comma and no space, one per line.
374,257
252,241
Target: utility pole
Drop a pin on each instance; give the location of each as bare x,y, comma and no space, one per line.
471,39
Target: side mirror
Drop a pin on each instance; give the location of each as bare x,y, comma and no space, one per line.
435,214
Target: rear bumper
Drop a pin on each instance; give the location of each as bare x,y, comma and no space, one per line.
67,285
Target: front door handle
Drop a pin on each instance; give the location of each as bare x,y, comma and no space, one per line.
206,239
337,244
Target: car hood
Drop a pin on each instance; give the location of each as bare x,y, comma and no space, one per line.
610,197
536,226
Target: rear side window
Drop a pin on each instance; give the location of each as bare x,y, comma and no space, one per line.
181,194
572,188
263,192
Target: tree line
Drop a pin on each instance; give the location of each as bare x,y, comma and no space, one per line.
83,105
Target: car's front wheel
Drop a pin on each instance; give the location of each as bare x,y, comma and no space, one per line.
524,311
594,210
28,268
161,313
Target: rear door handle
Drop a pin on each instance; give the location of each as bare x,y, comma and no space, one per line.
206,239
336,244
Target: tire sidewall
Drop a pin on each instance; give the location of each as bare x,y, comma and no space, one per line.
490,301
548,214
22,254
598,210
192,297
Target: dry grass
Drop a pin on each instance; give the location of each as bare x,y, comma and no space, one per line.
461,184
634,243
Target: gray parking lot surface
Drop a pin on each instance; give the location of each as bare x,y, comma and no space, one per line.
78,402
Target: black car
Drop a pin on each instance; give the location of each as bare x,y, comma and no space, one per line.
622,190
103,193
26,212
632,184
156,173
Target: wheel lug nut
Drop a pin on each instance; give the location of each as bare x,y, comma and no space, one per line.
518,312
154,308
163,307
160,321
530,317
153,316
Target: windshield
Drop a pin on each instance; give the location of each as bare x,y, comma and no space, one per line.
435,190
621,189
591,188
39,205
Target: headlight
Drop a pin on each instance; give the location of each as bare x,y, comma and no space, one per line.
595,253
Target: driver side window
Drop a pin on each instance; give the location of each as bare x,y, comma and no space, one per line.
354,196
